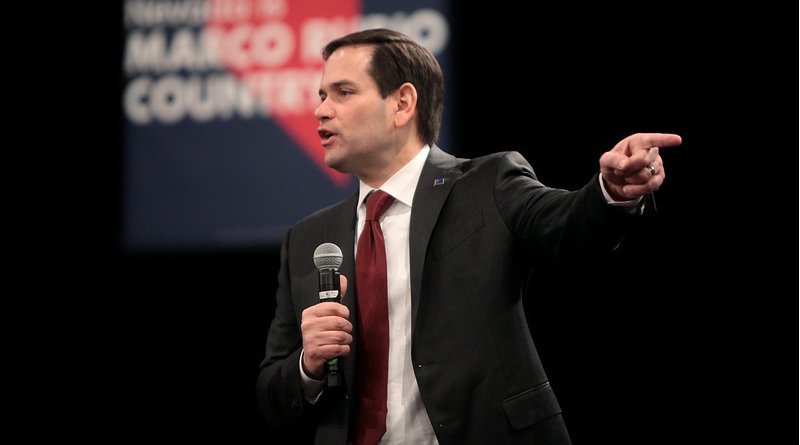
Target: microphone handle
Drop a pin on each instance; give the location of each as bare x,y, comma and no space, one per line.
329,290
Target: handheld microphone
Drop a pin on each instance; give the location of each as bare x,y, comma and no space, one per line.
328,259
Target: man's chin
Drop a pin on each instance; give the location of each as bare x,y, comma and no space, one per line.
335,162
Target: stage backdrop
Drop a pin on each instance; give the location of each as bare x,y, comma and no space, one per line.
221,148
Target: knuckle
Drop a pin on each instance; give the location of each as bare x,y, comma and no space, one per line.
341,324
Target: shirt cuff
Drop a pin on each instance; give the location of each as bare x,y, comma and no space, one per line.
312,389
631,206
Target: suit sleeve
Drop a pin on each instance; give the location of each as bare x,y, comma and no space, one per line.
279,385
557,224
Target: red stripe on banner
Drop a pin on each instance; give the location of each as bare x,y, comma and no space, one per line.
276,48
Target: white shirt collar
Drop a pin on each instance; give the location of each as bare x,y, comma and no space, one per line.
403,183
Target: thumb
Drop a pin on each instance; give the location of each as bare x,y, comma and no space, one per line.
611,160
342,284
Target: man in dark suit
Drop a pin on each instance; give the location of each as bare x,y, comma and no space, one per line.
460,236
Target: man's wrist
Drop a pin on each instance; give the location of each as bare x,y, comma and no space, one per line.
312,388
630,206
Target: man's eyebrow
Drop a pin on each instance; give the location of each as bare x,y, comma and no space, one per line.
338,84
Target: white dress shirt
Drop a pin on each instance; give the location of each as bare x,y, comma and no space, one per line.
406,419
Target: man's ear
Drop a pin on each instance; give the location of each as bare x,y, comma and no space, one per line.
406,102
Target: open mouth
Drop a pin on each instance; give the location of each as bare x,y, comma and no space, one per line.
325,135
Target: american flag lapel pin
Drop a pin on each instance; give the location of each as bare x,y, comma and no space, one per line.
438,181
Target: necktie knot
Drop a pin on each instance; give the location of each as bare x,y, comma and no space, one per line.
378,202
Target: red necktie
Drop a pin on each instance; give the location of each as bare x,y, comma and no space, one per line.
372,362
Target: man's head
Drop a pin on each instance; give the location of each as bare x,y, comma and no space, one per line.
397,59
382,99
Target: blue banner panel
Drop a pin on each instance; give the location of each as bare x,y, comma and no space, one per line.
221,148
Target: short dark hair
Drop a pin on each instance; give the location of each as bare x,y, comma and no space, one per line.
397,59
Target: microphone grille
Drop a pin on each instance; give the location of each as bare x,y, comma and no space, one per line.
327,256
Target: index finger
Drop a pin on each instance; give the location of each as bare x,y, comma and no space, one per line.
645,141
327,308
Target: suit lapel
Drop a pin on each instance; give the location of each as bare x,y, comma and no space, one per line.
440,172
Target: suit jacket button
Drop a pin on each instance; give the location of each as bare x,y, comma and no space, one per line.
294,405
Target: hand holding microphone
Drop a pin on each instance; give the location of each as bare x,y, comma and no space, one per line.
327,332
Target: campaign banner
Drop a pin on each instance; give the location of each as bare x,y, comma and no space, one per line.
221,148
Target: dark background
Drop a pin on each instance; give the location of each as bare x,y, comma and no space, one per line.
688,336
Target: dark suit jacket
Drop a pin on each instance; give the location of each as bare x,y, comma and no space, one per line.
472,241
